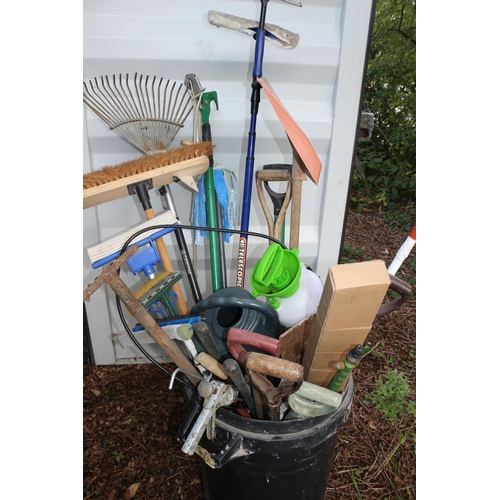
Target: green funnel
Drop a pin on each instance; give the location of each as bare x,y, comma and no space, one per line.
276,274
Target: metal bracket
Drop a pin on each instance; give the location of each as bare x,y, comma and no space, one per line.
131,188
232,449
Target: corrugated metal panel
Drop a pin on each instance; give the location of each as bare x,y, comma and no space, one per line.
173,38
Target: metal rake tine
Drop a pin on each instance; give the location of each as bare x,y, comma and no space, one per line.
165,97
156,110
103,99
152,108
115,98
187,98
139,94
94,103
144,102
178,115
148,99
124,112
136,111
128,98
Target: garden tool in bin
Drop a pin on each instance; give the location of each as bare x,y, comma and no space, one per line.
211,395
207,187
312,400
179,328
345,368
158,296
259,364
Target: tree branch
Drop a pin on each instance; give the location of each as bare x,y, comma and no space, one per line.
399,30
402,33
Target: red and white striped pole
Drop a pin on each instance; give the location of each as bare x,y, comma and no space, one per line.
403,252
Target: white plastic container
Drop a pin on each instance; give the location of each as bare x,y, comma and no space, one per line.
291,288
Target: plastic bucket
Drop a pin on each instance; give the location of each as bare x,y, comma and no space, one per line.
250,459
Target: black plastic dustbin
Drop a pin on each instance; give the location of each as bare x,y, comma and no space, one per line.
251,459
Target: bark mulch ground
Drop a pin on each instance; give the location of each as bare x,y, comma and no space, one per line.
131,418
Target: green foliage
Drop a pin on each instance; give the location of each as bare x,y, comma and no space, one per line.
118,456
356,474
389,158
351,254
390,396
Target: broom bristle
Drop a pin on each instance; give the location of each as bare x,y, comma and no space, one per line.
146,164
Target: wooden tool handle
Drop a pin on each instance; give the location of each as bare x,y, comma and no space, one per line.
267,175
298,176
212,365
275,367
265,208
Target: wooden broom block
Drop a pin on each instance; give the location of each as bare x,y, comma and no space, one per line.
160,176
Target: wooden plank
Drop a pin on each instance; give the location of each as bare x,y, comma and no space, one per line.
115,190
294,340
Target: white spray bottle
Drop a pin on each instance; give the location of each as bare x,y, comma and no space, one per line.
292,289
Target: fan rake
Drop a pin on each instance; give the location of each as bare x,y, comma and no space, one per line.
146,112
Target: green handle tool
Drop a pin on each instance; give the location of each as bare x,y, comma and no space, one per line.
211,200
352,359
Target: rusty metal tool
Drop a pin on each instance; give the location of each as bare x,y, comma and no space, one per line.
110,276
274,395
233,369
204,335
259,365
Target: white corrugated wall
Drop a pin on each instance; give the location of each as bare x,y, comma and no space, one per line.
319,82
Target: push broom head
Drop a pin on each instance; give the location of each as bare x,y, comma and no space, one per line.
111,183
275,34
110,249
147,112
145,164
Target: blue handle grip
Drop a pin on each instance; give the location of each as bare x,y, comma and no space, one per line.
140,243
259,54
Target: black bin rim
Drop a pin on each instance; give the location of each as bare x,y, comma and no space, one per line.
266,430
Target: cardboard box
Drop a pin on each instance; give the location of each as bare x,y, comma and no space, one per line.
351,298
